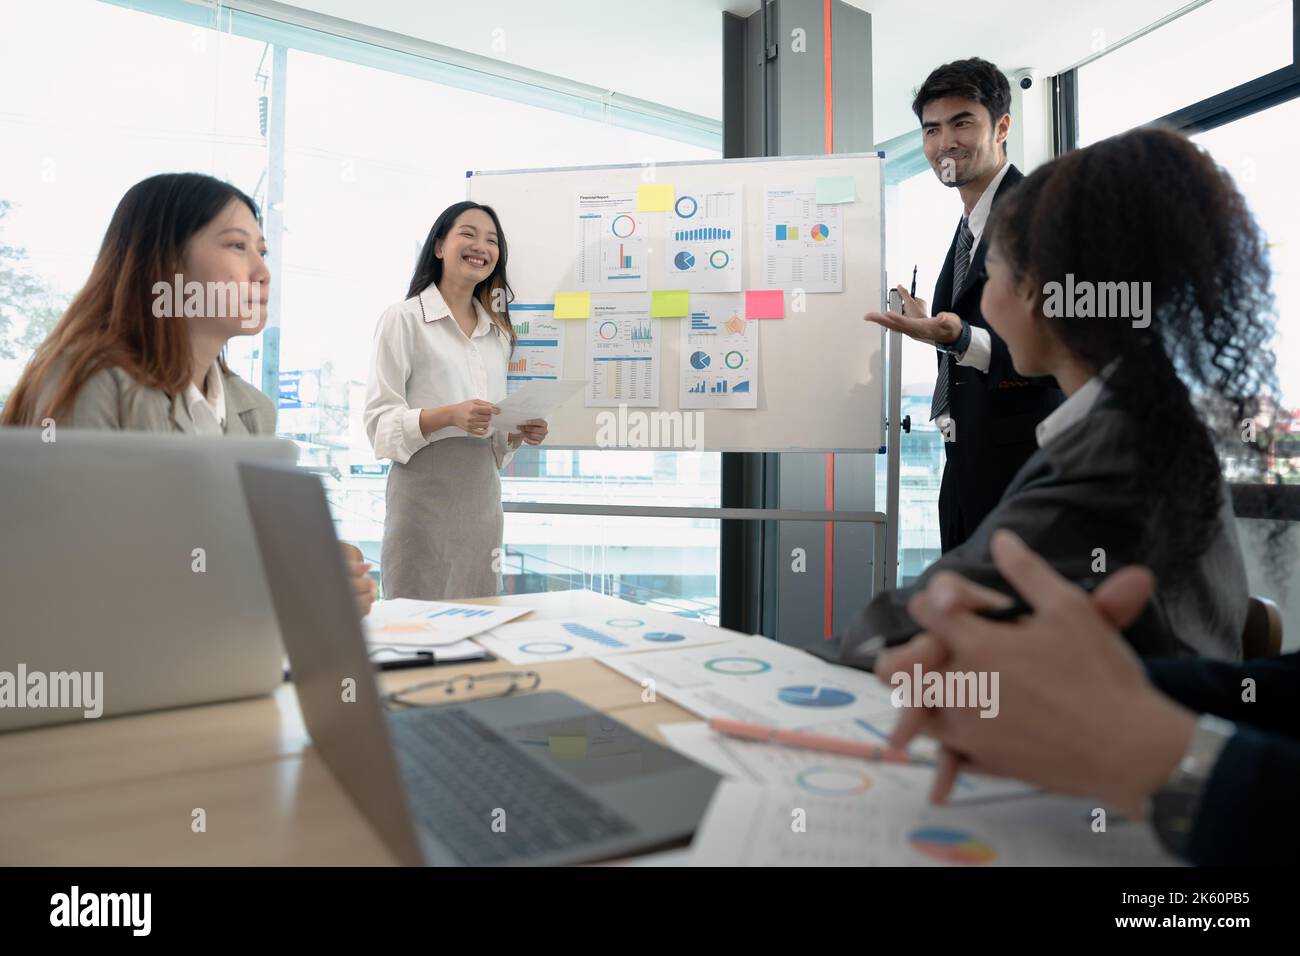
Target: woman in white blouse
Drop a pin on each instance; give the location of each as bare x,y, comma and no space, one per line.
439,363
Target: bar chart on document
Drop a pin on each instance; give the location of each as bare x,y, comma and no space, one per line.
611,243
539,351
719,356
704,234
803,241
622,352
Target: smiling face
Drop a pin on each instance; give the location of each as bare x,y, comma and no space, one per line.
230,252
960,139
470,250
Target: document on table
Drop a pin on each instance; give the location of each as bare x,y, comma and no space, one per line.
759,680
823,774
535,399
406,622
530,642
753,825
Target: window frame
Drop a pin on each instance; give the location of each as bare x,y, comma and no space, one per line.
1238,102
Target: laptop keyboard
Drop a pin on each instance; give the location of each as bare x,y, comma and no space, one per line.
460,773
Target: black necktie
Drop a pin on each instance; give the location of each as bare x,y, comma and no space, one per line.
960,266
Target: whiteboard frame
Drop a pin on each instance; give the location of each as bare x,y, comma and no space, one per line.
885,541
471,174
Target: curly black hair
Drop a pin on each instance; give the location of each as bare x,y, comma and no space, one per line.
1151,206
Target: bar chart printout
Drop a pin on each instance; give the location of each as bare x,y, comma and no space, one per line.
622,352
611,243
718,354
803,241
703,233
539,351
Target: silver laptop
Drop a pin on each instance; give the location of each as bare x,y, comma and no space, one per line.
128,564
537,778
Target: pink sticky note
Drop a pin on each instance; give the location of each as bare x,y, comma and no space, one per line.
764,304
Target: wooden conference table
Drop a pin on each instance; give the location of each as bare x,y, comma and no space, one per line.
122,791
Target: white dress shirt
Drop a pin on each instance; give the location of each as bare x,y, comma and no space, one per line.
1073,409
208,408
979,352
422,359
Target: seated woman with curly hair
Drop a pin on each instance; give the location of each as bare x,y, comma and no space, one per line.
1130,468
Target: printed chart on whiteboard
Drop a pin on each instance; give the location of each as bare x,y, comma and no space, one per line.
803,241
719,356
539,352
622,352
703,248
611,243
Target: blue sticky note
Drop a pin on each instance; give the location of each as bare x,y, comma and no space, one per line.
831,189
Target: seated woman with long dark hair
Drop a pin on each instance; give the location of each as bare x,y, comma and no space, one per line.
141,347
1132,272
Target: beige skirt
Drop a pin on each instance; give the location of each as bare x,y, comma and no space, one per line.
442,532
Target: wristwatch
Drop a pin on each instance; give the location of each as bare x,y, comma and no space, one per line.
958,347
1175,805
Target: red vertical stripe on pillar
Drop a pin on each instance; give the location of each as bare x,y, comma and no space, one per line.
828,608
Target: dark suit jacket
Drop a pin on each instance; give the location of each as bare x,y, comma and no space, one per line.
1247,813
1080,493
993,413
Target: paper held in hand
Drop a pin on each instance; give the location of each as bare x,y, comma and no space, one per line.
535,399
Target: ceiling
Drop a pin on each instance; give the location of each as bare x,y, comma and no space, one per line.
669,51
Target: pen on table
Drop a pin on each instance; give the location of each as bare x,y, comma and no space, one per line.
807,741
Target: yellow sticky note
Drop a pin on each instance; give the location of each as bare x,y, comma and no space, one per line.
670,304
564,746
655,197
572,305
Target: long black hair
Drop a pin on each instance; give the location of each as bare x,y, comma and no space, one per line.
1151,206
428,271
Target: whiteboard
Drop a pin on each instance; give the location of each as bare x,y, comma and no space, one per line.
821,384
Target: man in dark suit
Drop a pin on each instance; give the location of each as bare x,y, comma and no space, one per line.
986,412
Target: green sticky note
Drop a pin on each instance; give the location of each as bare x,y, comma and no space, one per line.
831,189
655,197
566,746
670,305
572,305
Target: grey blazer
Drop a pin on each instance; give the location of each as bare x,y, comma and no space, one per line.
113,399
1078,494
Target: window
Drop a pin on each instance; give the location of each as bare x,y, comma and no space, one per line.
921,215
1257,151
1211,49
373,150
1244,111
